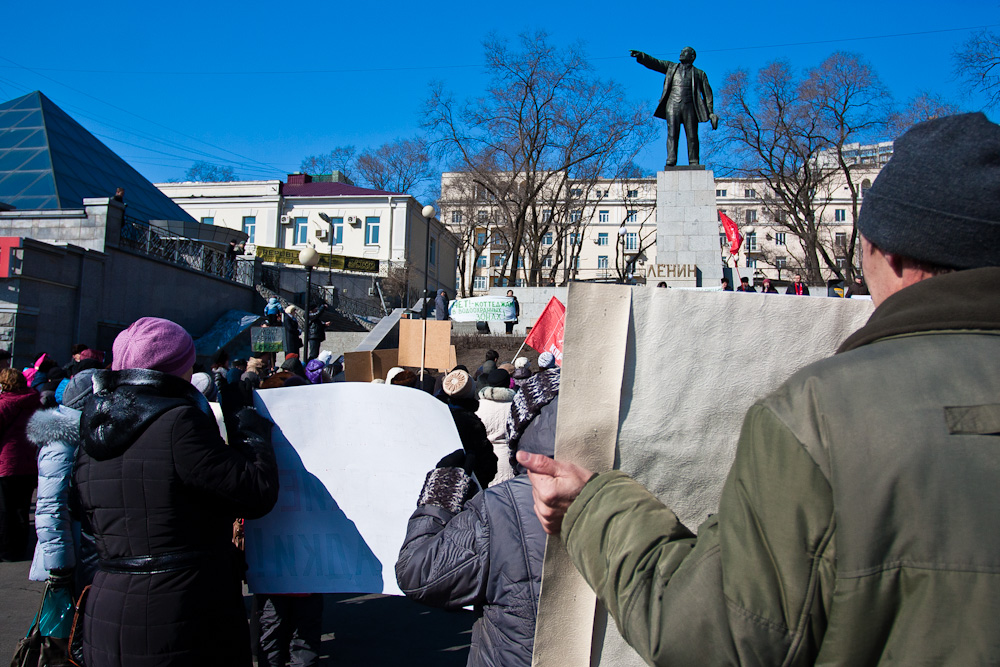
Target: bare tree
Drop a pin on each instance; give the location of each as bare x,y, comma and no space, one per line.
339,159
471,223
791,134
206,172
544,119
639,209
978,65
852,105
923,106
398,166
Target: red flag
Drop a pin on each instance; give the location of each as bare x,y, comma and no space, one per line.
547,334
732,233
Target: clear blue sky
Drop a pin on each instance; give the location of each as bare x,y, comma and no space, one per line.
258,86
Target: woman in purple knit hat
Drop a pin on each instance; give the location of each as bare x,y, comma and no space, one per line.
161,490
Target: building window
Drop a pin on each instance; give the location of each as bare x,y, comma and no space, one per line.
547,261
576,262
371,230
840,240
498,260
546,215
632,216
779,238
576,192
574,238
481,261
720,193
519,282
781,262
574,216
751,240
301,231
750,194
547,238
632,194
839,215
479,283
781,217
456,217
520,262
208,221
250,227
751,216
432,252
751,263
841,263
602,216
337,227
722,239
631,241
602,238
482,216
602,261
865,184
480,239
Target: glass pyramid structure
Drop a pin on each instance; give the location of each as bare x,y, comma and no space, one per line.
49,161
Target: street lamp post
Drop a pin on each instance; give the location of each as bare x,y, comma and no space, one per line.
308,257
428,213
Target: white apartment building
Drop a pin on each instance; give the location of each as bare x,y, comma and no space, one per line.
613,232
617,236
335,218
770,249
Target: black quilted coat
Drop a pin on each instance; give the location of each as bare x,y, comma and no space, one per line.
161,490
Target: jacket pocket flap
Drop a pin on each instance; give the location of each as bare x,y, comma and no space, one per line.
973,419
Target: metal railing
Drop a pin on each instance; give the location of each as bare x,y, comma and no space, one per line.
356,310
142,237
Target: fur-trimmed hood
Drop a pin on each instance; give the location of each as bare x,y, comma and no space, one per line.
126,402
60,424
497,394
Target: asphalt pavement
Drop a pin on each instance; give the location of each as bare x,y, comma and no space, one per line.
358,629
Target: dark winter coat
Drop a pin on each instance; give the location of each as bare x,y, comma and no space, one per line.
441,306
17,454
488,554
161,491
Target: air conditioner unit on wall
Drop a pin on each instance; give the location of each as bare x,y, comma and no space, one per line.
321,233
286,219
353,220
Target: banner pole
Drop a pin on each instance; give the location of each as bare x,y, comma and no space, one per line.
519,350
423,350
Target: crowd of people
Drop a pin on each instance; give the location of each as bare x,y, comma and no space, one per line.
852,528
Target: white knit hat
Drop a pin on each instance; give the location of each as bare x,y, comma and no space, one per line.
521,362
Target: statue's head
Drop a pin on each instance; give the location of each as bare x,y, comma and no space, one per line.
687,55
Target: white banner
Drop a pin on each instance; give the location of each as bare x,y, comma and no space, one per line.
483,309
352,459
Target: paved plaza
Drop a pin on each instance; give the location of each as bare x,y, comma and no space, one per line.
359,630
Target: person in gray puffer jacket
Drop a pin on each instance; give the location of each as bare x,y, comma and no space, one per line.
66,550
486,552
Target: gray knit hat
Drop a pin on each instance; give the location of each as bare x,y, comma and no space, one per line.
938,198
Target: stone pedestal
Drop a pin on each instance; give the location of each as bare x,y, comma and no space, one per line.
687,229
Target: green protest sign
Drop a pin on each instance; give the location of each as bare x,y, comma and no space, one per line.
483,309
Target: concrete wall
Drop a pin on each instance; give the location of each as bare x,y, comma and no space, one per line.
60,295
85,228
533,301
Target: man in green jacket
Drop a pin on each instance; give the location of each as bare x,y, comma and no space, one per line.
857,524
